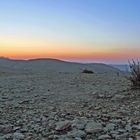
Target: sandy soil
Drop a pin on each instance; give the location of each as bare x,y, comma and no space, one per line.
68,106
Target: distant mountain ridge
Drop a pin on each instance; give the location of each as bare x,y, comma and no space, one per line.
52,65
123,67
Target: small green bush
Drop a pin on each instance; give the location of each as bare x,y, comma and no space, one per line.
135,74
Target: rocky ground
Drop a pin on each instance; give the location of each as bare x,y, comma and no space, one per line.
68,106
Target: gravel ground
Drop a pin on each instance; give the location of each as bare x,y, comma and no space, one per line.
68,106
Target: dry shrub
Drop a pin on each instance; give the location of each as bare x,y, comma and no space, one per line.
87,71
135,74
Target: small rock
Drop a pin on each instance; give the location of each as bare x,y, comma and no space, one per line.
118,97
5,129
63,137
104,137
121,130
6,137
93,127
137,127
79,124
63,126
137,137
16,128
130,138
18,136
128,128
122,136
77,134
138,134
110,127
52,137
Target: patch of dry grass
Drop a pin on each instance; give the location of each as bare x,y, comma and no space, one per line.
135,74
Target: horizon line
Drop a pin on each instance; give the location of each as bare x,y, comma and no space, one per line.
64,60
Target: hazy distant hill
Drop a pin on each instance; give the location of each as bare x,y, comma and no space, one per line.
122,67
53,65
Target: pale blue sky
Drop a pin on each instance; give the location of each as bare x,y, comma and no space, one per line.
83,19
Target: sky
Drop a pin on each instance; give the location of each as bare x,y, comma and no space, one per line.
75,30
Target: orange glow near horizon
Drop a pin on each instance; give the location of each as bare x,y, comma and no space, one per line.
28,49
